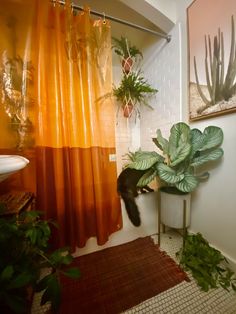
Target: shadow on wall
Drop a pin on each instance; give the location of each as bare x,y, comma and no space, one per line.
147,204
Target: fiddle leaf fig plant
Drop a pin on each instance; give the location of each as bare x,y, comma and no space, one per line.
182,154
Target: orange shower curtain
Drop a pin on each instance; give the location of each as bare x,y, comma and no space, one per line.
75,177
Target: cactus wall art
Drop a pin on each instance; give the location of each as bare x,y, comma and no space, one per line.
212,58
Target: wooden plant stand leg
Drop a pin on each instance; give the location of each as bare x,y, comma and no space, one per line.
159,217
164,228
184,221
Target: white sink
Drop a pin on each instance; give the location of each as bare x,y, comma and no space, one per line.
10,164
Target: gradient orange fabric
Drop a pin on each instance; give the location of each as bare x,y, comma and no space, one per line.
74,133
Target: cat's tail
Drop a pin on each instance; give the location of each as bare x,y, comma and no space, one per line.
132,209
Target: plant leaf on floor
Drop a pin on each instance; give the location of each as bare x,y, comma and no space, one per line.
206,264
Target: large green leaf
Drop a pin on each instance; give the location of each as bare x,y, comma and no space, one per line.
180,154
132,156
168,174
147,177
7,273
15,302
177,131
196,141
60,257
207,156
161,142
32,235
52,292
21,280
145,160
179,142
203,176
188,183
72,273
43,283
212,137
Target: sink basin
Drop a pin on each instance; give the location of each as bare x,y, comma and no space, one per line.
9,164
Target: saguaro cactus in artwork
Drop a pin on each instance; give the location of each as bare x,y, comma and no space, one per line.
219,85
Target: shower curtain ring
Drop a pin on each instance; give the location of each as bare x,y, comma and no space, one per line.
104,18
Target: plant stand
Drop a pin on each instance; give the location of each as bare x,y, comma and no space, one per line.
127,64
185,219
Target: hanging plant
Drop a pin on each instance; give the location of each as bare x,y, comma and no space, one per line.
128,108
127,52
133,92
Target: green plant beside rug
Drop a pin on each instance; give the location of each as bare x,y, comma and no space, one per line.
24,246
207,265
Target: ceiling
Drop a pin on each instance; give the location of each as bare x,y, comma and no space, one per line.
137,12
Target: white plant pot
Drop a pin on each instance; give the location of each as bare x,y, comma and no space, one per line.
172,209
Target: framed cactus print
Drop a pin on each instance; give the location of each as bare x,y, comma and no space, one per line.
212,58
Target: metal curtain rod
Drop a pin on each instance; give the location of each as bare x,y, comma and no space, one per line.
115,19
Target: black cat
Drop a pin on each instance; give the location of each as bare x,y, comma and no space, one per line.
128,190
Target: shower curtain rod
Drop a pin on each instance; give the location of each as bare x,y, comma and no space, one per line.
115,19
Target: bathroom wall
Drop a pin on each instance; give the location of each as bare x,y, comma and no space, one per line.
163,70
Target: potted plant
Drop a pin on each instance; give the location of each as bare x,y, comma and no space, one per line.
24,245
177,167
207,265
126,51
133,92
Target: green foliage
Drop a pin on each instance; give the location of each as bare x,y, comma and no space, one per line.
219,85
134,87
124,49
24,253
183,153
134,90
207,265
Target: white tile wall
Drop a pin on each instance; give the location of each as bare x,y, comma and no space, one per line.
163,70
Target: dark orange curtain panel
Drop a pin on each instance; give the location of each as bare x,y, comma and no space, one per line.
74,134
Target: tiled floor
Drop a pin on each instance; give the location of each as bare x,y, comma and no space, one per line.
185,298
